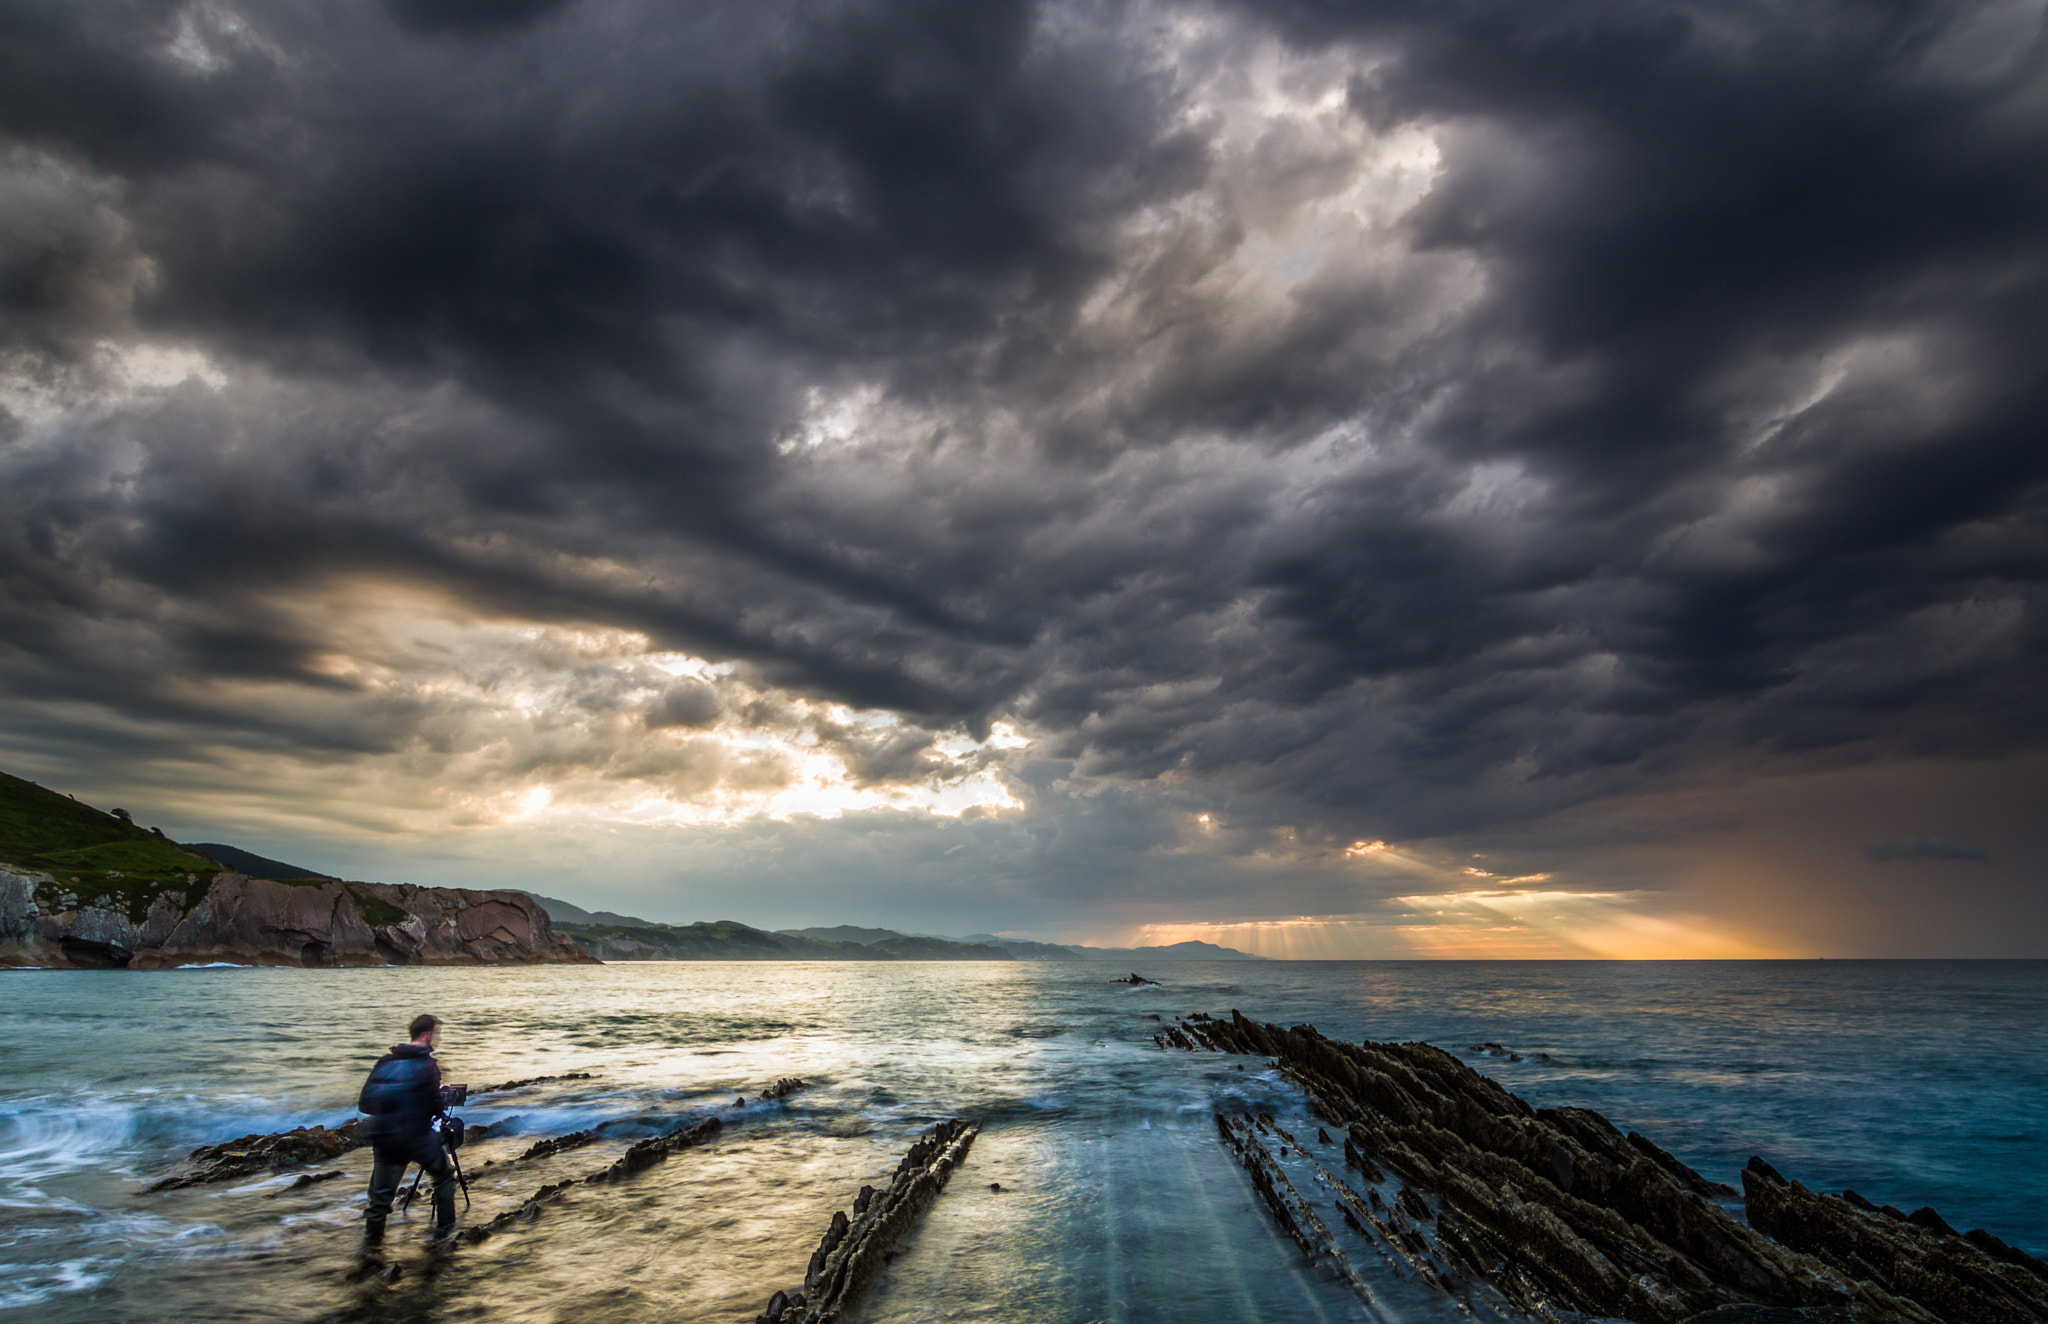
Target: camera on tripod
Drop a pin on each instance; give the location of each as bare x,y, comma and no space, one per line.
448,1129
451,1128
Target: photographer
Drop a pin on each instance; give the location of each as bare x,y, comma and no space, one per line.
402,1098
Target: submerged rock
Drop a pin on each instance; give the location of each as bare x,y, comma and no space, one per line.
783,1088
635,1160
502,1086
233,1159
854,1249
262,1153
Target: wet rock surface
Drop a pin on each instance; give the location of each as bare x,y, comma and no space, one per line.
853,1249
637,1159
307,1179
503,1086
1560,1213
1959,1276
254,1154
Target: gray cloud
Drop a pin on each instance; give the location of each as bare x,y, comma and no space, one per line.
1388,421
1925,848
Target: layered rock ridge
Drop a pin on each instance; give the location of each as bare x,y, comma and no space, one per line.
233,919
1460,1184
853,1250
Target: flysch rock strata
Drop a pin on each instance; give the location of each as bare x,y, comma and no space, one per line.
853,1249
1563,1214
376,1276
261,1153
1966,1277
637,1159
503,1086
236,920
253,1154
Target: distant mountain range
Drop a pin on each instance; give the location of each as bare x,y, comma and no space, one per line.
614,937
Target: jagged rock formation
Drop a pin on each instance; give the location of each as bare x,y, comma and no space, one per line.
1970,1276
253,1154
853,1249
504,1085
637,1159
1560,1212
554,1145
257,921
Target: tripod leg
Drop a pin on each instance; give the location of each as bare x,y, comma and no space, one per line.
406,1203
460,1180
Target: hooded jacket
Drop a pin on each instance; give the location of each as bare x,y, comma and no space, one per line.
401,1096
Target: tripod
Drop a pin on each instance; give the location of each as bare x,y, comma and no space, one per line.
460,1180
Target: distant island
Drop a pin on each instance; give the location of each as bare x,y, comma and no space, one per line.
87,888
615,937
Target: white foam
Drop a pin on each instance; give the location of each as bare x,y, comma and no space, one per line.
66,1276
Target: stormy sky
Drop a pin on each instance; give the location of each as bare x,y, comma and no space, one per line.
1383,479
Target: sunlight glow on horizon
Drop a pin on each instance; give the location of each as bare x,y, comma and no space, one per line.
1494,924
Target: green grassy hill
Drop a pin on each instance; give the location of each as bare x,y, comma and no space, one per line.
95,856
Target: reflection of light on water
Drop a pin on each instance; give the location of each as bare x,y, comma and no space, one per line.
1114,1184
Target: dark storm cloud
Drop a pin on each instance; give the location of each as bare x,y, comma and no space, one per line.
1692,413
1925,848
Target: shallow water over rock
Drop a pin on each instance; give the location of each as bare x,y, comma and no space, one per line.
1116,1200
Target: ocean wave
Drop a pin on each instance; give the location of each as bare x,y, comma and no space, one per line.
35,1286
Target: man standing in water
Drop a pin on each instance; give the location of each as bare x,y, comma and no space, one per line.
402,1097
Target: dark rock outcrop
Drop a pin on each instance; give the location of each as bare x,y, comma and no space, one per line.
637,1159
853,1249
1561,1212
504,1085
258,921
1962,1277
254,1154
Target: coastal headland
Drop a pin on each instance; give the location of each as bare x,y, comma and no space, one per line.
84,888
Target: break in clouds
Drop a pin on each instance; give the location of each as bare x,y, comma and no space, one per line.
1073,454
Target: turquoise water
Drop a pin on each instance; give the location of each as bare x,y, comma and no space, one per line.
1915,1083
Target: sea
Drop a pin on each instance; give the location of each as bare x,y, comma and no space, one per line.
1097,1191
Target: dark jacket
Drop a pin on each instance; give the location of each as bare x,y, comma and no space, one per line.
401,1096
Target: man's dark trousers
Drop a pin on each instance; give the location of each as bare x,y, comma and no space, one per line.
389,1170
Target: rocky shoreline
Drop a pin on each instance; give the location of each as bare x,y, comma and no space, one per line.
1473,1192
1409,1176
232,919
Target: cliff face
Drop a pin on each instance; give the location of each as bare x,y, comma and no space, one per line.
257,921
